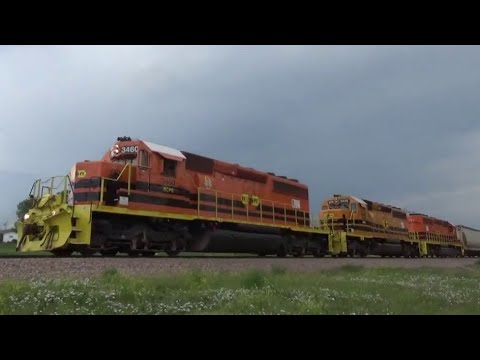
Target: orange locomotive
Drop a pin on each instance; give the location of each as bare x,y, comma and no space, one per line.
371,227
440,235
152,198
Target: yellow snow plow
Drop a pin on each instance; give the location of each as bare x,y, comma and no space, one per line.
48,224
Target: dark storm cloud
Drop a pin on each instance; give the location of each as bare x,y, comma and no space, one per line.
393,124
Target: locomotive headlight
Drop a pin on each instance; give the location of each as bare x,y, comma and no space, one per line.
116,151
26,216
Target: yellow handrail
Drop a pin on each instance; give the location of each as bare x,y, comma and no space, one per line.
198,203
120,175
36,191
261,215
103,178
129,178
273,211
260,205
102,184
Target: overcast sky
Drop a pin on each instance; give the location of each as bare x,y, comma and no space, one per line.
395,124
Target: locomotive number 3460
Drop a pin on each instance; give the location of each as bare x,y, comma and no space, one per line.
129,149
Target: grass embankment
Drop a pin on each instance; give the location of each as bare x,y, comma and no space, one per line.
9,249
349,290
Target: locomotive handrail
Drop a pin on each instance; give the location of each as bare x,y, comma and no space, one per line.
121,173
102,185
103,178
350,221
261,203
216,193
37,189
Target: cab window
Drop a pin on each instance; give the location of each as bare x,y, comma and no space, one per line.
125,161
144,159
169,167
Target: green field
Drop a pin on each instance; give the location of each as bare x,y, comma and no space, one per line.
349,290
8,249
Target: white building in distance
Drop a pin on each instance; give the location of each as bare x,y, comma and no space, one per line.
9,235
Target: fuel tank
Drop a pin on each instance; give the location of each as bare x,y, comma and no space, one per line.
241,239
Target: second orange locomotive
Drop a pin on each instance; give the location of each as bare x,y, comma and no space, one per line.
374,228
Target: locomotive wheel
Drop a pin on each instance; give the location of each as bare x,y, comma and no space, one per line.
299,252
172,253
282,252
318,253
108,253
62,252
148,253
86,252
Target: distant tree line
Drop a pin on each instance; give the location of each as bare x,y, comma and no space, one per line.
23,207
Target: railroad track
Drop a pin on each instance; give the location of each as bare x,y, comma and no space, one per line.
46,267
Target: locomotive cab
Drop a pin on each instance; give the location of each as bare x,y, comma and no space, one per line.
341,210
125,151
145,155
130,165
